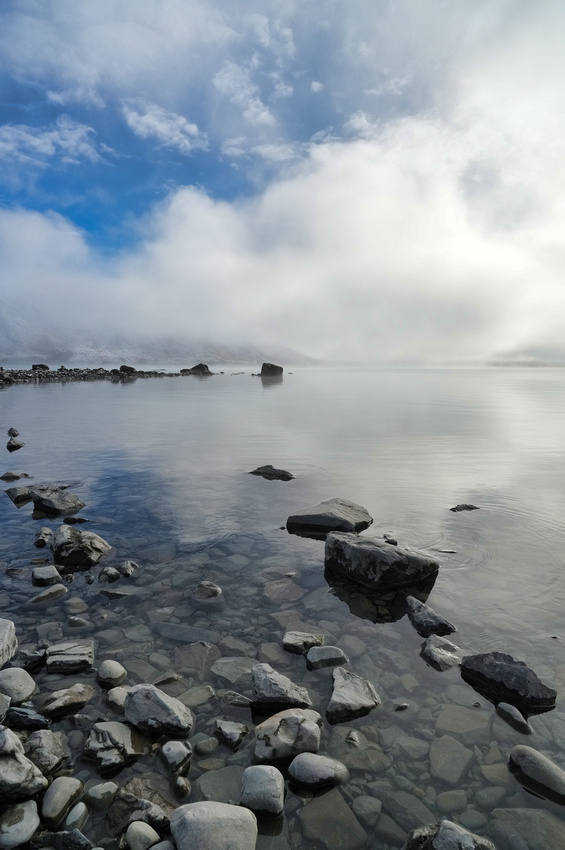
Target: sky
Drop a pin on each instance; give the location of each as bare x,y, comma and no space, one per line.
377,180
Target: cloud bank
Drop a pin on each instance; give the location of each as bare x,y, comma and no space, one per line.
423,224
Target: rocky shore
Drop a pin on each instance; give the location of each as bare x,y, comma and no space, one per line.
209,698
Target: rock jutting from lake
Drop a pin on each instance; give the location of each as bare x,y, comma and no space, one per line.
331,515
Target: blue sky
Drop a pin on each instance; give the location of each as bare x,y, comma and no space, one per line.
378,180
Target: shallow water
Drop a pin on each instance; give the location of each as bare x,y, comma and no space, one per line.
163,468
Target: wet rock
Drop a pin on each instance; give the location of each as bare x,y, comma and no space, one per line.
468,725
66,840
196,658
314,771
325,656
8,641
70,656
141,836
75,549
67,700
108,575
199,369
464,507
156,713
183,633
111,745
45,576
441,653
50,594
222,785
352,696
13,432
25,718
208,596
230,732
331,515
324,818
270,688
18,824
271,474
445,835
59,798
449,759
47,750
54,501
405,809
513,717
13,476
367,810
373,563
42,537
526,829
210,826
111,673
19,777
16,684
300,642
425,620
101,796
262,789
127,568
176,756
500,678
77,817
544,776
288,733
127,808
116,699
14,444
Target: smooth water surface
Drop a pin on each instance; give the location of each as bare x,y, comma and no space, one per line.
163,465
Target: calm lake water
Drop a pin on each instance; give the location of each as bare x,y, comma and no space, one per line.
163,464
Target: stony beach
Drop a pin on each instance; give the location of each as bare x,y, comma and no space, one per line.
160,695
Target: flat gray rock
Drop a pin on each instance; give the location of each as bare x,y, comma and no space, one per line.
374,563
112,745
325,656
425,620
45,576
526,829
156,713
270,688
300,642
315,771
230,732
449,760
501,678
446,835
220,786
73,656
55,501
262,789
75,549
18,824
234,669
213,826
67,700
440,653
548,778
328,816
8,641
331,515
288,733
352,696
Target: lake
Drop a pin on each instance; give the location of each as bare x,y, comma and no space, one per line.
162,465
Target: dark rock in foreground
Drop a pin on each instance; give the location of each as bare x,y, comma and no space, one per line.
271,474
77,549
269,370
464,507
425,620
446,835
331,515
373,563
500,678
14,444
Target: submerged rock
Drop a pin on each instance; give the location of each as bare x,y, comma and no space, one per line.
315,771
301,642
271,474
500,678
111,745
425,620
156,713
288,733
352,697
446,835
262,789
73,548
464,507
441,653
375,564
545,776
211,826
47,750
332,515
513,717
273,689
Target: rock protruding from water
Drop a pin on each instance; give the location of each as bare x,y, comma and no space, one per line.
271,370
441,653
54,501
111,745
375,564
42,537
463,507
500,678
425,620
211,826
288,733
20,779
272,474
300,642
446,835
314,771
156,713
72,656
325,656
74,549
273,689
8,641
199,369
544,776
331,515
14,444
513,717
262,789
352,696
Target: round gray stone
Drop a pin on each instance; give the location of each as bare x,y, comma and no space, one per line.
18,824
141,836
262,789
314,771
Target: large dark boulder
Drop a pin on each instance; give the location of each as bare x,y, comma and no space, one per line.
127,370
272,474
199,369
374,563
40,367
269,370
331,515
500,678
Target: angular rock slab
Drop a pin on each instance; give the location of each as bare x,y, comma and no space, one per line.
111,745
53,501
20,779
213,826
47,750
273,689
313,771
352,697
446,835
440,652
329,820
500,678
425,620
374,563
262,789
8,641
540,773
74,549
156,713
73,656
288,733
67,700
301,642
331,515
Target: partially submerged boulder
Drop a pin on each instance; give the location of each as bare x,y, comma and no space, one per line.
288,733
209,825
275,690
539,773
74,549
375,564
271,473
199,369
331,515
425,620
271,370
500,678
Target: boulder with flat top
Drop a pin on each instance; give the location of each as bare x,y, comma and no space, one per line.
331,515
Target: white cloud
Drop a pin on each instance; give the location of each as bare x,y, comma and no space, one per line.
316,86
234,82
66,139
166,128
